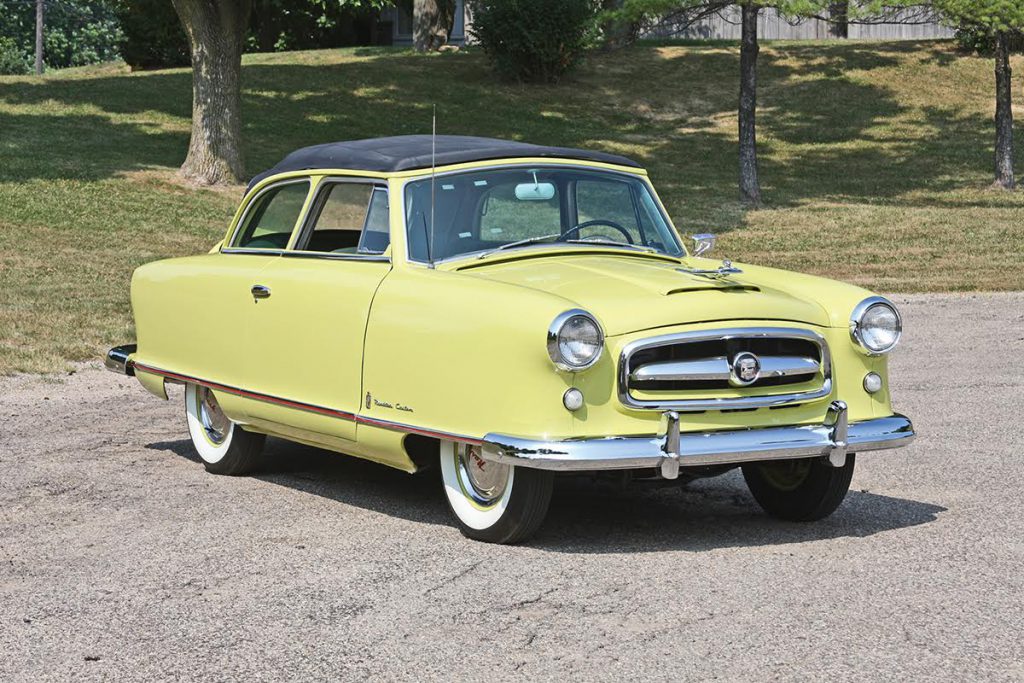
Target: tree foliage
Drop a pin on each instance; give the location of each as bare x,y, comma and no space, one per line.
77,32
279,25
992,15
153,36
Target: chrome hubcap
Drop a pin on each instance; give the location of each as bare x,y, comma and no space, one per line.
215,423
483,481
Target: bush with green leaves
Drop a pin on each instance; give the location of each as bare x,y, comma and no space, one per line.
536,41
12,58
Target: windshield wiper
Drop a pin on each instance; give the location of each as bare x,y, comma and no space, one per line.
520,243
610,243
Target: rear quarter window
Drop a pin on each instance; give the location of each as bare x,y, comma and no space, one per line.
271,218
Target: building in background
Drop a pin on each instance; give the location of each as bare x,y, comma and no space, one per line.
400,19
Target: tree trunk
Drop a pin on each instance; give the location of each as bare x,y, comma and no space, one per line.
39,37
839,19
750,188
617,32
216,33
1004,114
429,30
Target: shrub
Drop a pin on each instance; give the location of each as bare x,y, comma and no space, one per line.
12,60
534,40
153,36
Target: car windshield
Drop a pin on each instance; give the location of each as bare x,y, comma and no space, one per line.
508,208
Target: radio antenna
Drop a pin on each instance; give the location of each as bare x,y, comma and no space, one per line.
433,176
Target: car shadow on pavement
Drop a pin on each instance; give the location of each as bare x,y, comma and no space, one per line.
708,514
589,515
348,480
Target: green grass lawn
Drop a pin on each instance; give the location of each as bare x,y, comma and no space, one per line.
875,162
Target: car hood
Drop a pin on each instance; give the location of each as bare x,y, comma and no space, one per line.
630,293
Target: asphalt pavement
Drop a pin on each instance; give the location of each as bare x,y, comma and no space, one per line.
121,559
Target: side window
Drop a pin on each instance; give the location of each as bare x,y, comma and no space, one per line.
607,201
271,217
348,218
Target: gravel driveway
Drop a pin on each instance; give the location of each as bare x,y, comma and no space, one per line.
120,558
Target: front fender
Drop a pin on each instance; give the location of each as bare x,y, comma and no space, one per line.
463,355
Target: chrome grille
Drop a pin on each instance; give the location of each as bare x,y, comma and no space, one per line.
685,371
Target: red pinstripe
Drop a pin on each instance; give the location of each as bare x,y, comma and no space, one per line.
321,410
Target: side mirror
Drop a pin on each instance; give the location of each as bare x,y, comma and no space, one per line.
703,243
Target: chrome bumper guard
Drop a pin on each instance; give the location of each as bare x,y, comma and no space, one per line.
117,359
670,449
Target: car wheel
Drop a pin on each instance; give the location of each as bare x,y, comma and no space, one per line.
223,446
493,502
802,490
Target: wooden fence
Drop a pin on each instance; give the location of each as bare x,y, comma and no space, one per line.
771,25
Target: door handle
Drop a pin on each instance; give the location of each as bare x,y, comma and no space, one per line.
260,291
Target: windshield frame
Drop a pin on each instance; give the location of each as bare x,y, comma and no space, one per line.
561,246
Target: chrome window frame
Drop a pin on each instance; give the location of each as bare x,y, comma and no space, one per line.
500,167
227,249
307,218
704,404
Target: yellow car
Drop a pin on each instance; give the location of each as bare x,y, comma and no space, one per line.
507,312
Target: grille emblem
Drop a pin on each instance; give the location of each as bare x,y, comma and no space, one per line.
744,369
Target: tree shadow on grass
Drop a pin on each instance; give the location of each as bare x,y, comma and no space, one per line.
809,103
587,516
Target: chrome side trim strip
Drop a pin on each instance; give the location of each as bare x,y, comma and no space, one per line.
331,256
308,407
672,449
696,405
118,359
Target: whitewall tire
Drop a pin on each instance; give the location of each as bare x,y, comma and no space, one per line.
493,502
224,447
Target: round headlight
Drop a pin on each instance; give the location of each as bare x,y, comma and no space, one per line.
575,340
876,325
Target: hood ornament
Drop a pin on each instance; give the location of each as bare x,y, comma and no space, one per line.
720,273
702,244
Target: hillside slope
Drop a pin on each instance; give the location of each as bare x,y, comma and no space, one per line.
875,162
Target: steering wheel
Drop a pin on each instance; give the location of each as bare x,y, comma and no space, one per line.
597,221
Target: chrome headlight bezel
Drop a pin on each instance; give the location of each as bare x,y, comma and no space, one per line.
857,328
554,340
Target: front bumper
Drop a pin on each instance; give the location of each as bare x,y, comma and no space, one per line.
671,449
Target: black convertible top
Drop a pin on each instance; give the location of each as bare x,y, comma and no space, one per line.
409,152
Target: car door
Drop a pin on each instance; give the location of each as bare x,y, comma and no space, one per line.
198,309
306,339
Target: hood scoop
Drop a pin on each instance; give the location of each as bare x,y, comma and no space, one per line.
731,287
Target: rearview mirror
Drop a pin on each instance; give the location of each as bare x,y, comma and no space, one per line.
703,243
535,192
